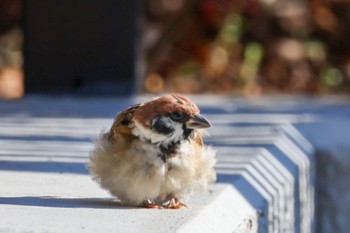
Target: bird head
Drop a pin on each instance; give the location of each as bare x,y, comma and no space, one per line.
168,119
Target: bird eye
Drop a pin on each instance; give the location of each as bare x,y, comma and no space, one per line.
176,116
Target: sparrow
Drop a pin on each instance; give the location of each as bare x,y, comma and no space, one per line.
153,156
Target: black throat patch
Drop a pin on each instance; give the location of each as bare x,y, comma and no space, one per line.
169,151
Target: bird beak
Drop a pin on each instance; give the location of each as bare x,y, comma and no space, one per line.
197,122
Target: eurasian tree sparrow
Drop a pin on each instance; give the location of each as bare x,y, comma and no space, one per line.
153,155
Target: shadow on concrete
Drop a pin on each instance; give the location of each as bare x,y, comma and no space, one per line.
58,202
39,166
54,138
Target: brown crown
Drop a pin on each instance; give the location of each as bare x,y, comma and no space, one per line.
163,105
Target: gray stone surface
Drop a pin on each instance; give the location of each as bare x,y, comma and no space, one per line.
45,187
331,137
51,202
262,155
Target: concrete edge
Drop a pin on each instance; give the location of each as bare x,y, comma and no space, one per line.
229,212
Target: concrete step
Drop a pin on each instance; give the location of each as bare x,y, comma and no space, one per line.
265,169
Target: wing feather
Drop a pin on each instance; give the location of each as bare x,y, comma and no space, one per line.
122,125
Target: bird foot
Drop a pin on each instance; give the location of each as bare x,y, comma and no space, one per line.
173,203
150,205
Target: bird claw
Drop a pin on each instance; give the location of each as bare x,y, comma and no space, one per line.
173,203
150,205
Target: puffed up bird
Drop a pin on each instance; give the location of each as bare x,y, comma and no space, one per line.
154,156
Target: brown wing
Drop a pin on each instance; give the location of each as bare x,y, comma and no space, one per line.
121,128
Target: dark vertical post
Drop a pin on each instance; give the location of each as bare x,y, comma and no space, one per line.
79,46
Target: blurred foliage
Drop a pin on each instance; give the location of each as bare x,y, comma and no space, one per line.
11,55
247,47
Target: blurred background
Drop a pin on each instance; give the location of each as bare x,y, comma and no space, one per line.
249,47
11,49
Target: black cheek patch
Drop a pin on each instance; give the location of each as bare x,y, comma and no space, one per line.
160,127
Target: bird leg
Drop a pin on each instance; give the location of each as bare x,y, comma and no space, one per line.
150,204
173,203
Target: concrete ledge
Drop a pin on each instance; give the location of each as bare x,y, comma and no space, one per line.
266,171
44,180
229,211
331,138
82,206
273,171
